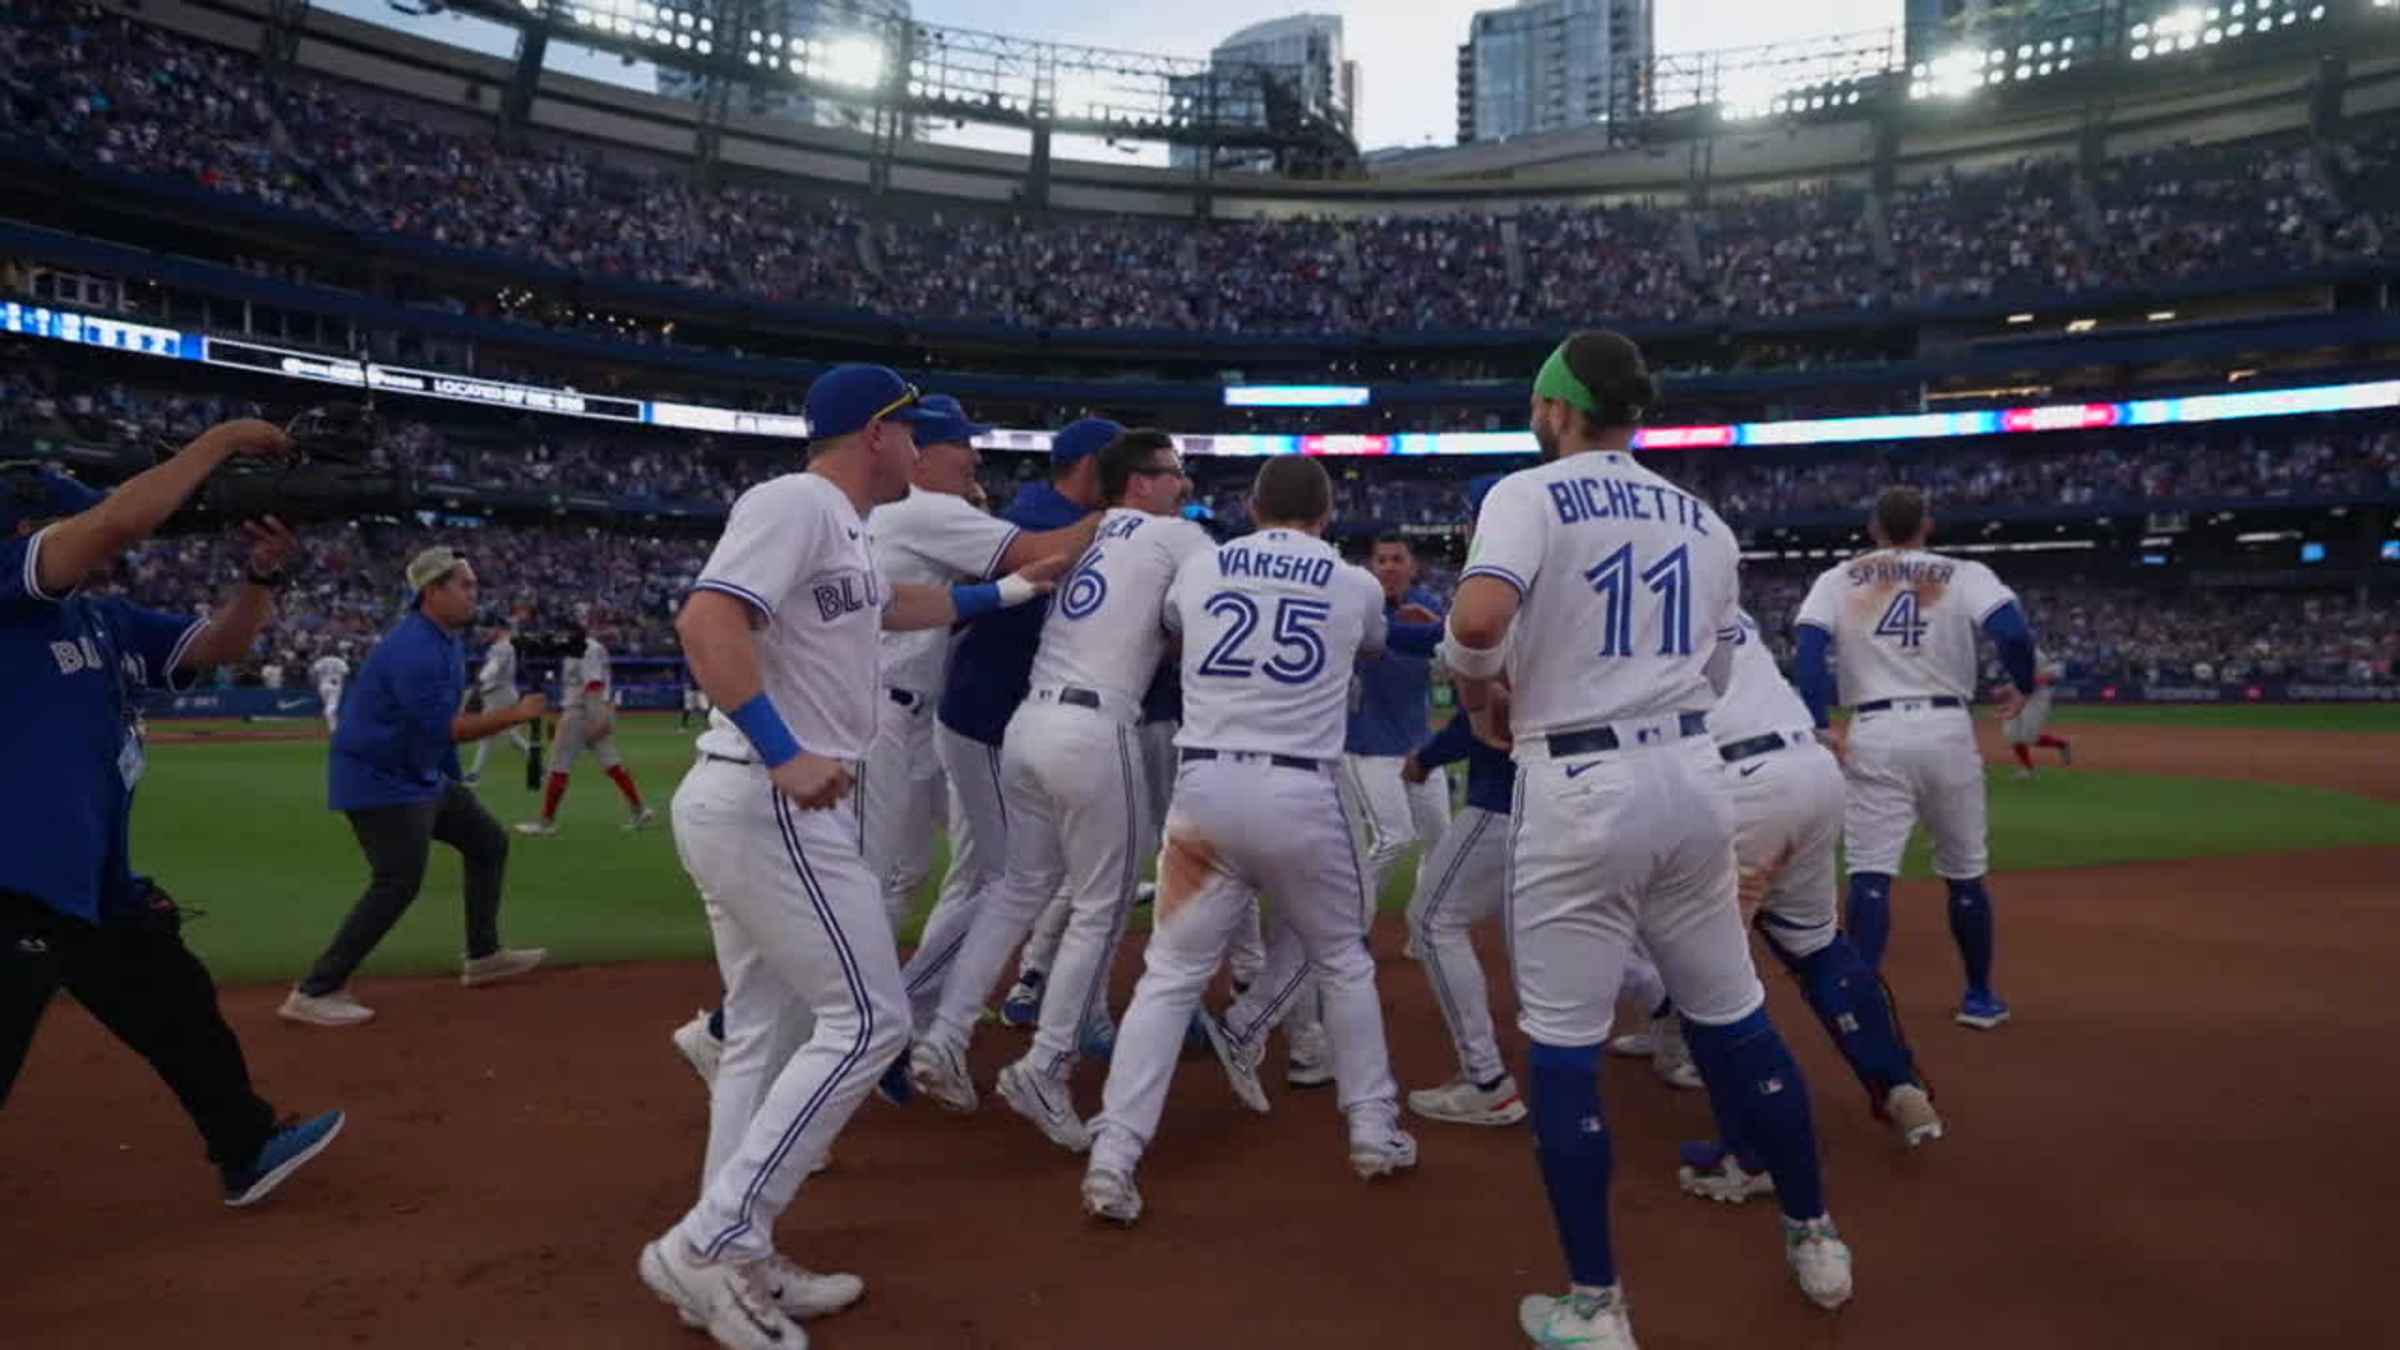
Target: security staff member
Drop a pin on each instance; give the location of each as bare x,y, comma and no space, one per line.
394,772
72,913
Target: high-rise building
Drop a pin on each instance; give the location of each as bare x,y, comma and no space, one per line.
1308,45
857,23
1547,65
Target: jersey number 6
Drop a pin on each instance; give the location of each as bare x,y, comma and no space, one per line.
1300,648
1085,589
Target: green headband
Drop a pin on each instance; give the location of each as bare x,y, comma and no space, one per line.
1559,382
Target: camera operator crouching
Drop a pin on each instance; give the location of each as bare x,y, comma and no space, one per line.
72,913
394,771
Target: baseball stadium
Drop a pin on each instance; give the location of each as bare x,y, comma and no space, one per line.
403,402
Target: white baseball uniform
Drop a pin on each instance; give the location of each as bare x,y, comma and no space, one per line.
934,539
1787,795
329,672
496,686
1272,624
813,1008
2034,718
1615,657
1460,883
1072,773
270,675
585,683
1903,624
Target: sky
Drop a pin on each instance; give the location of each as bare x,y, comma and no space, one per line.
1407,50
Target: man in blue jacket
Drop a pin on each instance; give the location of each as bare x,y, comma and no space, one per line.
394,772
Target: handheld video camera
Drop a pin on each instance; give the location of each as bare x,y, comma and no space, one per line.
331,474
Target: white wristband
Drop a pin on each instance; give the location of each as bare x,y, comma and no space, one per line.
1015,590
1474,663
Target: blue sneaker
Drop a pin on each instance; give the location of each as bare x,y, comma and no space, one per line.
1195,1035
1981,1010
1023,1007
1099,1039
894,1086
283,1154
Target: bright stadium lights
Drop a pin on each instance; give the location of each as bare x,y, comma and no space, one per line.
2141,51
2161,315
853,61
2020,318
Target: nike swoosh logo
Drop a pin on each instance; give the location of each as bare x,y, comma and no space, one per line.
1752,769
853,534
1579,769
287,704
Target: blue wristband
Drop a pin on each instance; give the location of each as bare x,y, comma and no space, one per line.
974,601
764,726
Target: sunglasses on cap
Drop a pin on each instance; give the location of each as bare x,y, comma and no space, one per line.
909,398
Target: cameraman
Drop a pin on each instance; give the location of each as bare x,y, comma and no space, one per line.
72,913
394,772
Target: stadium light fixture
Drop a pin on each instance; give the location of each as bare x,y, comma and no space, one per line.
2020,318
2082,325
2141,51
2161,315
854,61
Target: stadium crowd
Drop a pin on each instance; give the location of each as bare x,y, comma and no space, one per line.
131,96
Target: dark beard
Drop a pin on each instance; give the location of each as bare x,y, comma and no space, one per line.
1548,444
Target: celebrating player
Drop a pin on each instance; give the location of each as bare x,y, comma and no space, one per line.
1901,622
2030,728
329,672
781,631
1072,771
1272,624
1605,597
590,721
496,691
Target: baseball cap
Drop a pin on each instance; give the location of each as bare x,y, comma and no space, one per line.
846,398
945,422
1081,438
33,492
432,565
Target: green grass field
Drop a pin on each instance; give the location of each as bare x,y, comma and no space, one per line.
240,831
2372,718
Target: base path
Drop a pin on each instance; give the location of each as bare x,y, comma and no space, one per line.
2347,761
2172,1145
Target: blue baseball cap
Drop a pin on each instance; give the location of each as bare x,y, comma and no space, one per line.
1480,487
945,422
34,492
846,398
1078,439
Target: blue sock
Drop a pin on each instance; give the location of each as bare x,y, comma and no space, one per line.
1856,1010
1571,1140
1870,917
716,1022
1971,928
1755,1086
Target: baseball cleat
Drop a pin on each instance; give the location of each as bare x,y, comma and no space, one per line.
699,1049
2024,774
895,1086
1982,1011
539,829
1099,1039
1632,1045
1241,1068
735,1304
1384,1154
803,1294
504,964
471,780
337,1009
285,1152
1144,894
1820,1260
2066,754
1311,1063
1023,1006
1462,1103
941,1074
1712,1172
1048,1103
1670,1057
1577,1321
642,819
1911,1112
1110,1195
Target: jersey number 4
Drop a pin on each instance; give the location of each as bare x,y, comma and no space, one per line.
1669,578
1300,647
1900,620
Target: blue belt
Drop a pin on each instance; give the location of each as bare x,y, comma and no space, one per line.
1597,739
1886,704
1279,761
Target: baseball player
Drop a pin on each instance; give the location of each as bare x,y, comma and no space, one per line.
1271,625
1392,718
931,537
989,671
1605,598
2030,727
590,721
695,701
270,675
1072,772
1901,622
496,689
1787,803
328,672
781,630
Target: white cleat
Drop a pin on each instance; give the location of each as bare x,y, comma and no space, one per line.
1577,1321
735,1304
1632,1045
504,964
699,1049
1712,1172
337,1009
1311,1062
538,829
1241,1069
1384,1154
642,820
803,1294
1670,1057
1911,1112
1110,1195
1462,1103
1048,1103
1820,1260
942,1075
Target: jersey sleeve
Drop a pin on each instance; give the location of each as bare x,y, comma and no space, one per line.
1509,534
20,575
773,530
1980,590
949,531
1821,608
157,641
1181,544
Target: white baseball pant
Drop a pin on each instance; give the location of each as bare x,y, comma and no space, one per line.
1578,897
813,1008
330,695
2032,720
1390,813
1790,801
572,741
1908,761
1080,818
900,798
978,851
1460,883
1240,828
495,701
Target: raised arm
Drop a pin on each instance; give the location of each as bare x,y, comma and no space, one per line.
81,544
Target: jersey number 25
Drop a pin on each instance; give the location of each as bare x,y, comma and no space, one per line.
1300,648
